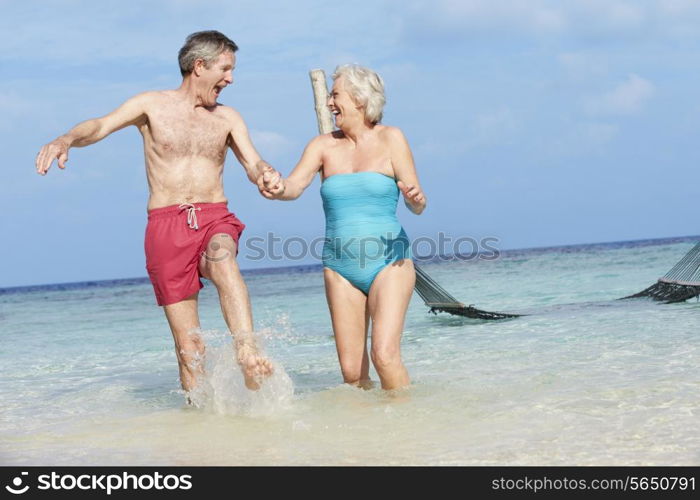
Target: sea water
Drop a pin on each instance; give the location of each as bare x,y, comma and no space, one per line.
90,376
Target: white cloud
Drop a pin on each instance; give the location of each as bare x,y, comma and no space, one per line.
77,32
579,19
680,18
597,134
11,103
15,108
625,99
577,139
583,65
468,17
86,32
607,16
497,126
494,127
270,143
680,8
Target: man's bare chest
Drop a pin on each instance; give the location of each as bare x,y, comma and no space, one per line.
188,135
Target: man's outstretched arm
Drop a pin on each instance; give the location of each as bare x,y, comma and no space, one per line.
132,112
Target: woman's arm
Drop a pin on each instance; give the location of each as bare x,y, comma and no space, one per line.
405,170
301,177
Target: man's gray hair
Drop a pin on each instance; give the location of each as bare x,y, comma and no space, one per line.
205,45
366,88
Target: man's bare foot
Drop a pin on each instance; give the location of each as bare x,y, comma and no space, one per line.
255,368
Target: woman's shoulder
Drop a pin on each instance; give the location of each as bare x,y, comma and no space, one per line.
390,134
326,139
388,131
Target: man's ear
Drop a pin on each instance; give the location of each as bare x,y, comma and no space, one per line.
199,66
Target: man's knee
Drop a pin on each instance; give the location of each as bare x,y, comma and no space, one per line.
219,259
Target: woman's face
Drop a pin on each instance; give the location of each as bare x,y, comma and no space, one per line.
344,108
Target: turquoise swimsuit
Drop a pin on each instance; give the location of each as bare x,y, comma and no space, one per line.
363,234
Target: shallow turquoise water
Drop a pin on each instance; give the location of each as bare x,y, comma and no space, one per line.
90,375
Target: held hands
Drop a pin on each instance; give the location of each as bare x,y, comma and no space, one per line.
270,182
414,197
54,149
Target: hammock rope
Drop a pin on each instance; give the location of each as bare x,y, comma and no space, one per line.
438,299
681,283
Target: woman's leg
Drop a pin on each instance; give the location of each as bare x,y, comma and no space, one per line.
387,302
350,318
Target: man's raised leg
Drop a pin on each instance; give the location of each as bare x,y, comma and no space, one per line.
219,265
183,319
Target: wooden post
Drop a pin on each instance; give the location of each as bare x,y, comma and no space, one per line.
323,114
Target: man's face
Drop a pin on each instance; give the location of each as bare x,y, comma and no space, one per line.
216,77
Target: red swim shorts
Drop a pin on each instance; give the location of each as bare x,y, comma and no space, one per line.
176,238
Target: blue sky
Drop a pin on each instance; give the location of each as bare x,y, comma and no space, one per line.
536,122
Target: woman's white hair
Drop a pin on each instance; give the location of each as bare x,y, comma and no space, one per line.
365,87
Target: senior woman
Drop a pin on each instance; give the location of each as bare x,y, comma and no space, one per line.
368,271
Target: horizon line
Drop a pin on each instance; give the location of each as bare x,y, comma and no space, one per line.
308,267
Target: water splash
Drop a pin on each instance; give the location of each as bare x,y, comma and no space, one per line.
222,389
278,328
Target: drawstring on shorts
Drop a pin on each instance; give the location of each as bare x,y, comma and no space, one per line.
191,214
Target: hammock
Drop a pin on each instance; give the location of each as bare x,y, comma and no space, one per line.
437,299
681,283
